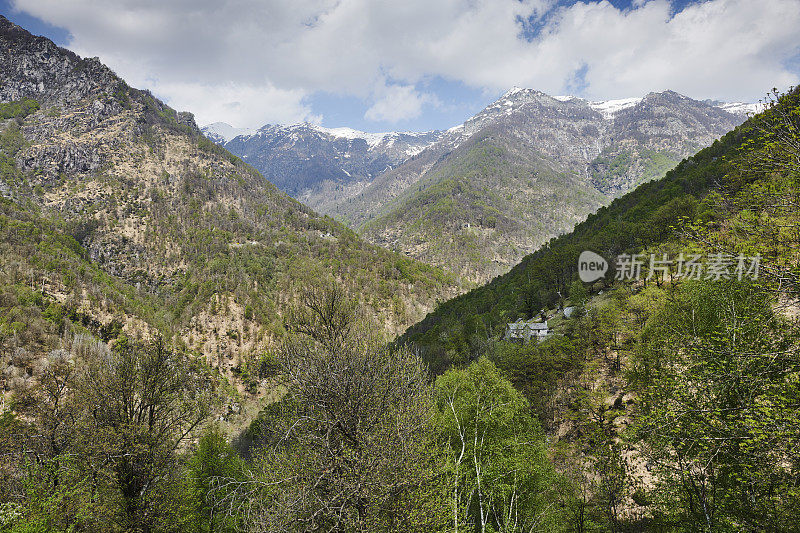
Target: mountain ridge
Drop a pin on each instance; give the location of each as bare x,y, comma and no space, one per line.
605,155
605,147
322,166
167,232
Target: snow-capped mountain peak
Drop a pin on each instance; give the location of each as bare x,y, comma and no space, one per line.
308,159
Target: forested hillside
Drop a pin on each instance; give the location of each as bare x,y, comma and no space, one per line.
648,215
670,397
185,348
149,274
172,234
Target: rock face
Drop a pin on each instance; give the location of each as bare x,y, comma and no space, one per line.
321,167
43,71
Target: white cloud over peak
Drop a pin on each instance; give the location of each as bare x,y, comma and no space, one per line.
246,106
396,103
250,62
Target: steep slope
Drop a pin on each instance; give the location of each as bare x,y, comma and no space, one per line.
321,167
645,140
459,328
538,165
120,210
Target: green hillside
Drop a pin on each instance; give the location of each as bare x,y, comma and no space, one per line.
118,211
483,208
456,331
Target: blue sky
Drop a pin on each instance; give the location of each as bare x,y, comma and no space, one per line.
379,65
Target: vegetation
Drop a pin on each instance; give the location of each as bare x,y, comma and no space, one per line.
126,226
18,108
674,399
662,404
477,207
496,460
95,443
542,280
716,367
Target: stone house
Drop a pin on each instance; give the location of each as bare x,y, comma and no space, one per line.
525,330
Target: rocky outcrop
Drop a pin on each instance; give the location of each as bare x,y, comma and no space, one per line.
43,71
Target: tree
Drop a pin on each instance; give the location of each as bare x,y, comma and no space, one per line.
214,459
605,482
142,401
776,148
578,295
346,448
104,429
501,479
717,371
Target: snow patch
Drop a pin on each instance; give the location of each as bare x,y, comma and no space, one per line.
414,150
741,108
511,92
373,139
608,108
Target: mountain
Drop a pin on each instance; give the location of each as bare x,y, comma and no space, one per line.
118,214
542,280
321,167
527,168
476,198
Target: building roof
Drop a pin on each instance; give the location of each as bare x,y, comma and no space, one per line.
521,325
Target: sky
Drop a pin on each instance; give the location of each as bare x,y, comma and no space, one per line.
416,65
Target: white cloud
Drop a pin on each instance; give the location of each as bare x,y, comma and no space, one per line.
397,103
256,60
245,106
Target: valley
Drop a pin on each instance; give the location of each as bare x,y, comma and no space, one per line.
303,328
477,198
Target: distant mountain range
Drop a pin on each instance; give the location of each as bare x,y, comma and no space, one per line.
478,197
321,167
